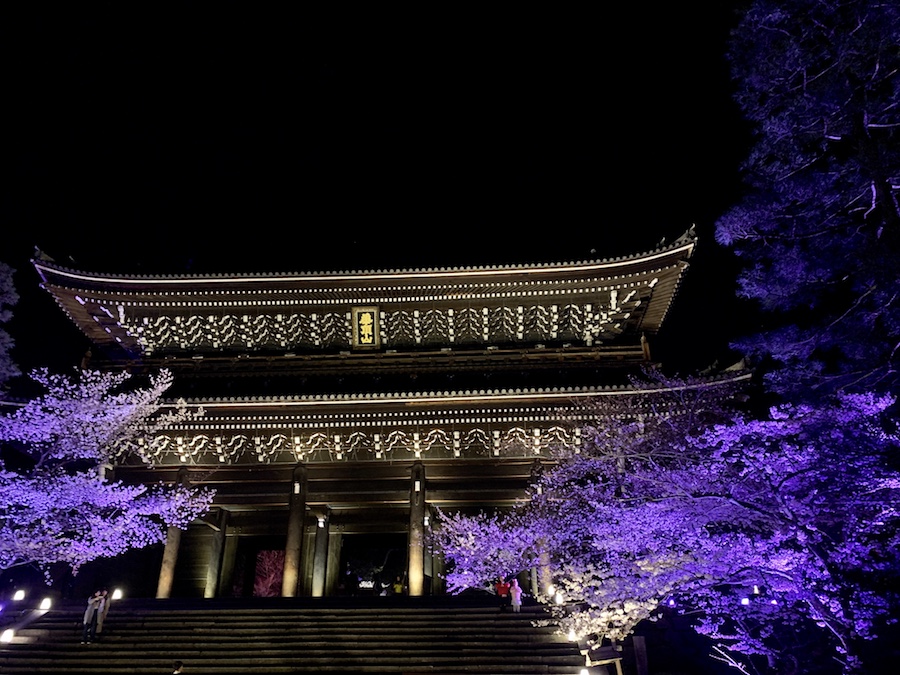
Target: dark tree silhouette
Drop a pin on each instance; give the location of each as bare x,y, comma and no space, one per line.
8,298
819,230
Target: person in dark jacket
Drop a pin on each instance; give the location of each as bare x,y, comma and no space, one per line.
501,588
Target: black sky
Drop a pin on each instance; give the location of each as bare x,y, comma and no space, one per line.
217,137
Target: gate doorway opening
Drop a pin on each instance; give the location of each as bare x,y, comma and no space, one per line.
370,563
259,567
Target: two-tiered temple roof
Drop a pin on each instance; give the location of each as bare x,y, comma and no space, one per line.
373,395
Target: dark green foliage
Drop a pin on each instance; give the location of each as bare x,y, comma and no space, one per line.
819,230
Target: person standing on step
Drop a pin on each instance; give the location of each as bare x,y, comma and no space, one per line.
351,581
179,668
501,588
101,616
91,616
515,595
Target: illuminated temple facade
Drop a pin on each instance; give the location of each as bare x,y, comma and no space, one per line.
341,409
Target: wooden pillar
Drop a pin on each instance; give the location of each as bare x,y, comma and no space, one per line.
229,558
416,559
170,554
216,550
540,576
320,557
640,655
545,579
294,547
438,565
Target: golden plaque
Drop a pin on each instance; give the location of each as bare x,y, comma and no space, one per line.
365,327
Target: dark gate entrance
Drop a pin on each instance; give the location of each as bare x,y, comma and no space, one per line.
259,567
371,562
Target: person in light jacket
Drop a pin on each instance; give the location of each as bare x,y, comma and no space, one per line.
91,616
101,616
515,594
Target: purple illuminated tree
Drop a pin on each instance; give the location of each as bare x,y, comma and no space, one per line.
56,504
819,229
780,527
779,530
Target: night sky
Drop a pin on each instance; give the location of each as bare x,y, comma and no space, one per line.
218,137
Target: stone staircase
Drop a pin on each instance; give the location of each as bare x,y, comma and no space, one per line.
409,636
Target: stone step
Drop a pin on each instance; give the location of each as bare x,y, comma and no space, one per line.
438,637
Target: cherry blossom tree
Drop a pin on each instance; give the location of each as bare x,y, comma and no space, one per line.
483,547
777,527
56,503
780,531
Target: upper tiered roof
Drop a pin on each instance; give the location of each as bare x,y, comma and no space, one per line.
484,316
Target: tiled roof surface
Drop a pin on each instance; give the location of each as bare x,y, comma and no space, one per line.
592,304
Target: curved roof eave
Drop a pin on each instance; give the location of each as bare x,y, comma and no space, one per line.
681,248
439,397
